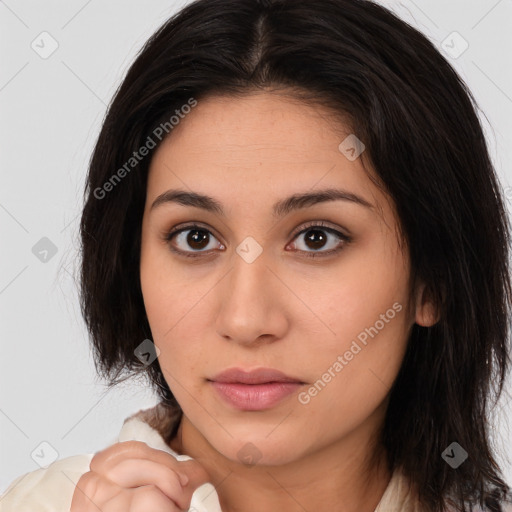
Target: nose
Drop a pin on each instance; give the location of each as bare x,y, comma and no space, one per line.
252,304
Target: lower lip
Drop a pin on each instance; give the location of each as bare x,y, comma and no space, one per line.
255,397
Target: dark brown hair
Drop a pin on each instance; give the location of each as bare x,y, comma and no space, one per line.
423,138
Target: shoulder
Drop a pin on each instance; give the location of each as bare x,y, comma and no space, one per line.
505,505
505,502
51,489
46,489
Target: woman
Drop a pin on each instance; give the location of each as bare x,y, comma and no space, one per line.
293,227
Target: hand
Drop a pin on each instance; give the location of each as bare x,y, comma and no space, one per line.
133,477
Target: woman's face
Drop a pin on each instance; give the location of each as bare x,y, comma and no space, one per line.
252,296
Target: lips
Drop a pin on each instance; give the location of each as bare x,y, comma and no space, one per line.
254,390
258,376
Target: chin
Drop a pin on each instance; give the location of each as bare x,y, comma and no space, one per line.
253,451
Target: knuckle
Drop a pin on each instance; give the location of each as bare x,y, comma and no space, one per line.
195,469
85,492
167,484
173,489
88,483
134,448
149,497
132,445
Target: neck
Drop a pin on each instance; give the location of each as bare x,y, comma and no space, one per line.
336,477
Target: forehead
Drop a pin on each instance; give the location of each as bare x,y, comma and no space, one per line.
269,122
258,145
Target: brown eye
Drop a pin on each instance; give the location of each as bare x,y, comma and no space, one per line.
197,238
315,237
192,239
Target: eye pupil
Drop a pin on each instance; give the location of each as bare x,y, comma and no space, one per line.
196,238
317,239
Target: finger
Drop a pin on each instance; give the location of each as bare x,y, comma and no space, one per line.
91,491
94,492
133,473
197,476
195,472
141,499
109,457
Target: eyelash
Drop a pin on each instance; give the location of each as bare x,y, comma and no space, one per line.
303,229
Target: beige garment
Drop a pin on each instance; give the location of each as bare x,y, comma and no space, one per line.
51,489
398,496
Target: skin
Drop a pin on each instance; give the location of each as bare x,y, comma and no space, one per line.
283,310
132,476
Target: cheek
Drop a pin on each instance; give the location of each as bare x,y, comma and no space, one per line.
371,341
174,310
174,317
167,292
368,325
354,372
360,297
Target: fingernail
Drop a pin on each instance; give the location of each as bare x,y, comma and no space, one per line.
183,479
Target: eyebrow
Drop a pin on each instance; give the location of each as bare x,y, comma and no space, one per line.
280,209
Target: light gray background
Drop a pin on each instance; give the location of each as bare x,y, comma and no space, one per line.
51,110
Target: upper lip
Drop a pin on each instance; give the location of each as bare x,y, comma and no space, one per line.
257,376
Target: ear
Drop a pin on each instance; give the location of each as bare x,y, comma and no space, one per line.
426,311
